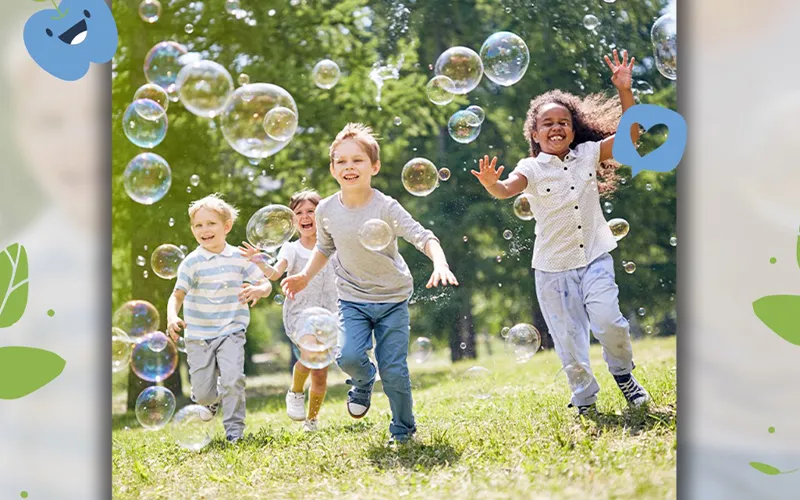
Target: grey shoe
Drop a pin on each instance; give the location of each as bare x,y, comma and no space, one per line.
585,410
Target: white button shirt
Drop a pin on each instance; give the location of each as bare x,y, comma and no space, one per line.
571,230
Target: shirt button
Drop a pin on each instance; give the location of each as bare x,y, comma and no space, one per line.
580,227
576,207
590,175
581,245
573,187
565,168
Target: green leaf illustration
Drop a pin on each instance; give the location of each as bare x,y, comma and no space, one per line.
766,469
781,313
13,284
24,370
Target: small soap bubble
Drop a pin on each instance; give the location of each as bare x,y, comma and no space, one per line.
279,299
463,346
189,28
194,180
648,329
673,241
463,66
579,376
641,311
243,79
147,178
420,177
608,207
140,261
507,234
630,267
280,123
648,187
326,74
499,259
188,189
523,206
504,332
145,274
421,349
271,12
165,261
465,239
464,126
150,11
590,22
155,407
619,228
440,90
477,111
375,235
157,341
171,222
444,174
397,121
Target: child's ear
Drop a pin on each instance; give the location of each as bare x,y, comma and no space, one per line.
535,137
376,167
228,226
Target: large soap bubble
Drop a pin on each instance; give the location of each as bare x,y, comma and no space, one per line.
420,177
154,93
149,11
523,341
464,126
121,346
664,36
440,90
151,365
270,227
280,123
477,111
154,407
326,74
165,261
204,87
145,123
162,64
478,380
579,376
317,360
421,349
317,331
619,228
523,206
463,66
192,427
242,119
375,235
157,341
136,318
505,58
147,178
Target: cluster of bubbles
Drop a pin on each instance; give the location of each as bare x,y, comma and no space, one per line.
420,177
375,235
165,261
664,36
317,337
270,227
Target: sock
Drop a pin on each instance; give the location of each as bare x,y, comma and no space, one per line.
315,400
299,377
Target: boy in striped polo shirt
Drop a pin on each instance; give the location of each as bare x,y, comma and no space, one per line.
215,284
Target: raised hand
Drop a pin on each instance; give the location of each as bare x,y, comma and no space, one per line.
251,293
621,71
294,284
487,175
249,251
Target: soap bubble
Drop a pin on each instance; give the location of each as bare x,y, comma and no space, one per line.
189,28
140,261
162,64
157,341
317,360
664,36
619,228
150,11
154,366
232,7
420,177
192,427
121,346
440,90
608,207
523,206
630,267
165,261
147,178
279,299
579,376
642,311
507,234
145,123
648,187
641,87
154,407
154,93
590,22
444,174
318,330
505,58
673,241
523,341
477,111
280,123
180,344
194,180
464,126
270,227
463,66
204,87
136,318
243,79
242,119
325,74
479,382
421,349
375,235
397,121
504,332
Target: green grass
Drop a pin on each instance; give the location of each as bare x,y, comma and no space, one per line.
522,442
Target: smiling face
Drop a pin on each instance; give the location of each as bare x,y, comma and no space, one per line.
351,166
554,131
210,230
304,219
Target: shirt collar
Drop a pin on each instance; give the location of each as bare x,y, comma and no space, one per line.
226,252
547,158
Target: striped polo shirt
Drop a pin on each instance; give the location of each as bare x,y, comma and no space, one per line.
212,282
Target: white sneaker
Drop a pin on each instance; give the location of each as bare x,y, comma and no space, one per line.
310,425
296,405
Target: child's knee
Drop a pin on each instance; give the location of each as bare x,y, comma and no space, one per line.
319,378
395,377
350,361
205,397
231,381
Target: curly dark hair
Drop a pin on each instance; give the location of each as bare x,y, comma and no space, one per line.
594,118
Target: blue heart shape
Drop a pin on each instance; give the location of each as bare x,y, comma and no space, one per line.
663,159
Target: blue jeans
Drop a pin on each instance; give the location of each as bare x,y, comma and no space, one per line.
390,323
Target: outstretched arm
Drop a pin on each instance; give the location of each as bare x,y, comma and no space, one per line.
297,282
621,78
255,256
441,271
490,179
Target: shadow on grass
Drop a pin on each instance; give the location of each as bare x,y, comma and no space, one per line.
636,420
414,455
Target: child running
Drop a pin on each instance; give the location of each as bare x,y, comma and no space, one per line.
569,139
373,286
321,292
209,279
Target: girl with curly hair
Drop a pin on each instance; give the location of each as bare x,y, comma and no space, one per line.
571,141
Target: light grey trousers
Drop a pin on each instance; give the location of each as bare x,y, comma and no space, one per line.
223,358
574,301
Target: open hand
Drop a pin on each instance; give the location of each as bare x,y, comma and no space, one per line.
294,284
174,325
441,274
251,293
250,252
487,175
621,71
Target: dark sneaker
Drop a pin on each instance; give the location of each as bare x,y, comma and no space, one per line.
232,439
632,390
358,401
585,410
213,409
401,440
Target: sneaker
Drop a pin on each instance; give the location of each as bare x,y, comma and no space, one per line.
358,402
212,412
296,405
232,439
585,410
632,390
310,425
401,440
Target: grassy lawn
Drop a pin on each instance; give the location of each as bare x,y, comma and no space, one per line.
522,442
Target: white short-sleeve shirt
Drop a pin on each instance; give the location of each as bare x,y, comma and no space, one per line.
571,230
